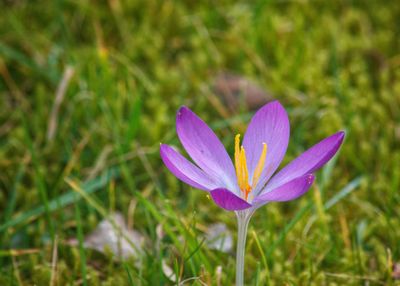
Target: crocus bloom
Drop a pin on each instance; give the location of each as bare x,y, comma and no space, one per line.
249,182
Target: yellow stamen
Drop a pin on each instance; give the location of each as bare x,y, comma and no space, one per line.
237,156
260,166
242,172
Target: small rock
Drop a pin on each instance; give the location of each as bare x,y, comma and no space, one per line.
396,271
218,237
112,234
234,90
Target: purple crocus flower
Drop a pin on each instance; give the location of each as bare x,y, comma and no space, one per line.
250,182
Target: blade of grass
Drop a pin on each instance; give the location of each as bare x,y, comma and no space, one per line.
289,227
62,201
26,61
39,179
340,195
118,146
128,272
134,119
12,201
263,257
82,253
344,192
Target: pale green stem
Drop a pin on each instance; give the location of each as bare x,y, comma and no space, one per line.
243,218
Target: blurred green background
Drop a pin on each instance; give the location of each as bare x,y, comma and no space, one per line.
89,89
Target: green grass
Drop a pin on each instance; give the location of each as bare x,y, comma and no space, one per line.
333,64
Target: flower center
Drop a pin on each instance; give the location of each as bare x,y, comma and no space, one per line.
242,173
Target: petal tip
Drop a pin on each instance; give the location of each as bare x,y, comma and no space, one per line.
182,110
310,179
341,134
228,200
276,104
272,104
163,152
163,147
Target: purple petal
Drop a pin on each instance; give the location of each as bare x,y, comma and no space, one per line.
269,125
228,200
287,192
204,148
185,170
308,162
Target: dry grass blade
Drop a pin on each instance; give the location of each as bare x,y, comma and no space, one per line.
367,279
54,262
60,94
18,252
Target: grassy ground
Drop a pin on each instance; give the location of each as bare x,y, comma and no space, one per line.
127,66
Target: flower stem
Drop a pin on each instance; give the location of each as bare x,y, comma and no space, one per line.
243,218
